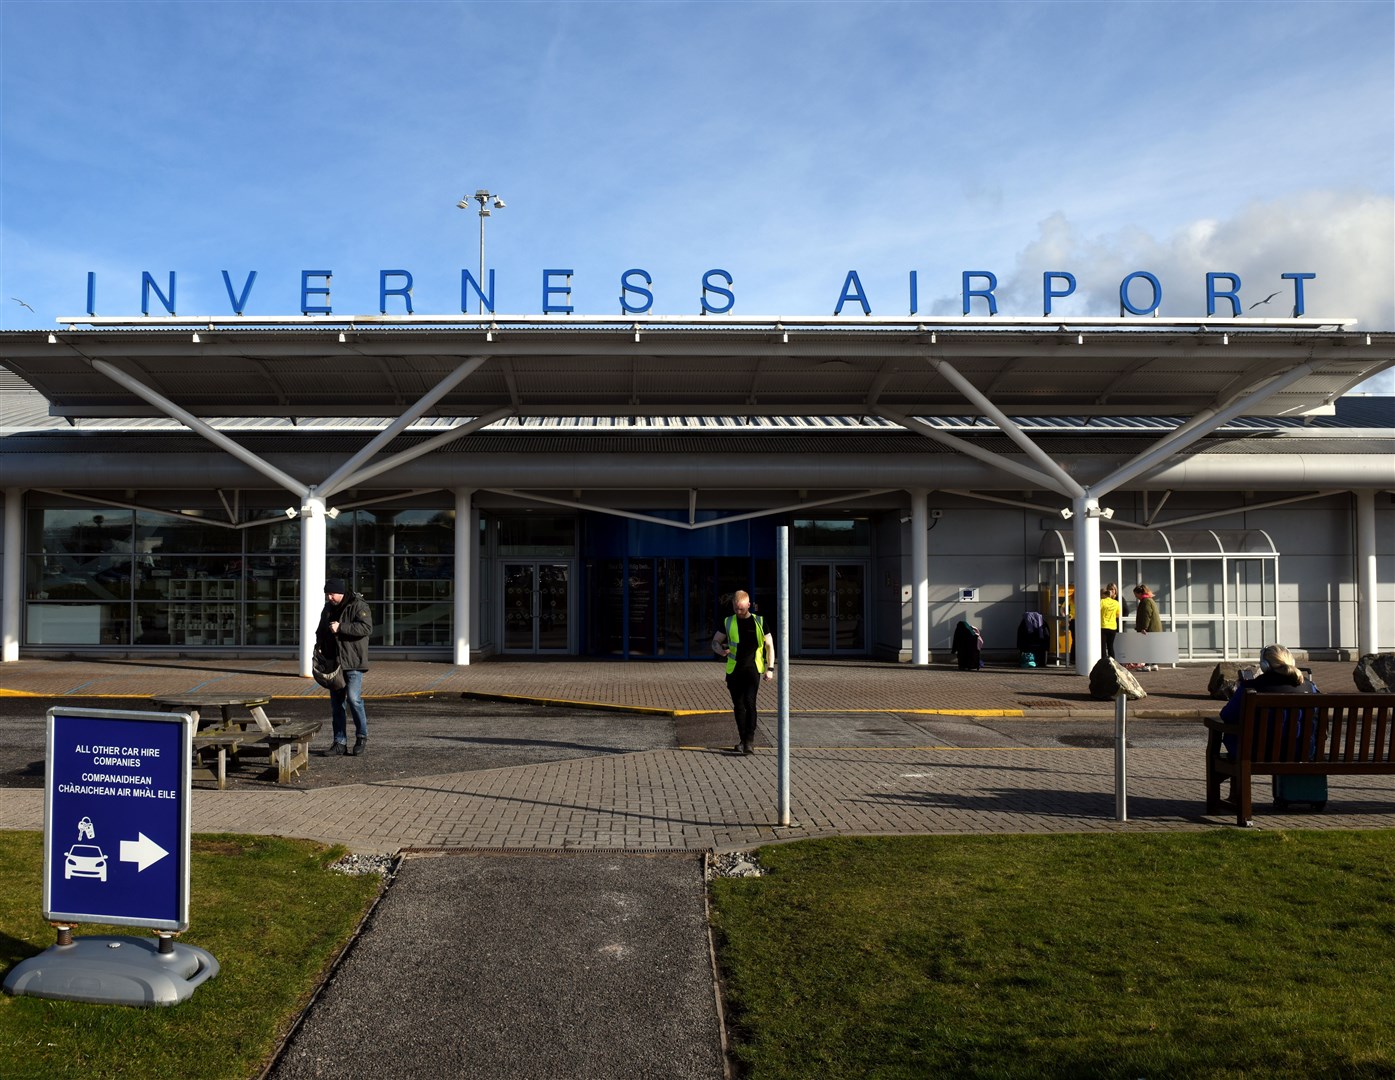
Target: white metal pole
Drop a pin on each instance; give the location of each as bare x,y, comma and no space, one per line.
1121,783
1087,640
782,671
312,576
13,579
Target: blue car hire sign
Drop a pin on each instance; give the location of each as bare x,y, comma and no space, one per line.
116,818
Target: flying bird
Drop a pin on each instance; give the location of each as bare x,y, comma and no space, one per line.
1265,300
20,302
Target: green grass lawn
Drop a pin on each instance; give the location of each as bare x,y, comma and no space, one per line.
269,911
1214,954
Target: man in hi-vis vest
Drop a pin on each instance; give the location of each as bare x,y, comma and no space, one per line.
750,655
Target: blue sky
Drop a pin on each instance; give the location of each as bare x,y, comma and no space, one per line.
786,143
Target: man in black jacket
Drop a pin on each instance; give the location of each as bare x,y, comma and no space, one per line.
345,624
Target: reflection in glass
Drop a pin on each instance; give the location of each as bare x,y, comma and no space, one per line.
78,624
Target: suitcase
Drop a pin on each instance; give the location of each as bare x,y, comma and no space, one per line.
1310,790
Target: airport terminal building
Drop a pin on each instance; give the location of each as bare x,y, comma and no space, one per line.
599,486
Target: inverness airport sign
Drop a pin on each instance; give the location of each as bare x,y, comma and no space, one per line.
1140,292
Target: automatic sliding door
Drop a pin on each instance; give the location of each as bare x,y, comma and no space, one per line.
832,609
537,607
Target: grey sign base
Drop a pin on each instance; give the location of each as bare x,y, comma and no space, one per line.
108,970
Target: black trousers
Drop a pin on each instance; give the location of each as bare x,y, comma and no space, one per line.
743,684
1107,640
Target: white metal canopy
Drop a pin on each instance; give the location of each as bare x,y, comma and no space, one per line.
571,366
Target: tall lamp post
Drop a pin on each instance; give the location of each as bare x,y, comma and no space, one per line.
486,199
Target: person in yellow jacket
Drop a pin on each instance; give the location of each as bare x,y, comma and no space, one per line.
750,654
1109,619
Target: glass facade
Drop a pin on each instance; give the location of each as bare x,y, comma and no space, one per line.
132,578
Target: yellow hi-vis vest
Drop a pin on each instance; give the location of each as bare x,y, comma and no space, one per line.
734,636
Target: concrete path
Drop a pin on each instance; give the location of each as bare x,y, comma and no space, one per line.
501,966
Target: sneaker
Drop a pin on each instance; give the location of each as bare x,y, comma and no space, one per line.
339,749
360,747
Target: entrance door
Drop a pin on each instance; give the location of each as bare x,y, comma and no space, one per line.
537,607
832,616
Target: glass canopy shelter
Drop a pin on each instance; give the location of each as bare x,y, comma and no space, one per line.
1218,589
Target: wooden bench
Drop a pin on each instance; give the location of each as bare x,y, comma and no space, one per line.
290,746
213,748
1298,734
286,749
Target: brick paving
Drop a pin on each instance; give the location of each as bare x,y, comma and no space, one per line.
705,798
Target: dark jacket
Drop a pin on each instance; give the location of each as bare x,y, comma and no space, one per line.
1266,682
967,645
1031,632
355,625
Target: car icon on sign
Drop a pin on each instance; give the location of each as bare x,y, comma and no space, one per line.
84,860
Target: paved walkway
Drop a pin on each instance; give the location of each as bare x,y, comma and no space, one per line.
927,780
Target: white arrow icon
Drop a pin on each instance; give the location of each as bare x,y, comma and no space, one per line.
143,852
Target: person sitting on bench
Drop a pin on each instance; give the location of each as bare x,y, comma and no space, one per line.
1278,674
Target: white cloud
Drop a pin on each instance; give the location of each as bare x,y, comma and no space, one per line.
1346,240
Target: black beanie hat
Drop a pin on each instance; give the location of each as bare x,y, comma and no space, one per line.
335,585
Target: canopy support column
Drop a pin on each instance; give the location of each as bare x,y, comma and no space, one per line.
13,580
1087,639
464,574
313,532
1367,581
920,576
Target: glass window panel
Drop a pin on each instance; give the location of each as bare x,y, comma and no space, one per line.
153,624
192,577
641,599
1251,635
1204,586
58,531
339,532
1194,542
78,624
279,536
273,577
703,617
406,532
1202,637
165,534
670,594
604,625
205,622
537,534
835,536
79,577
409,624
273,624
1138,541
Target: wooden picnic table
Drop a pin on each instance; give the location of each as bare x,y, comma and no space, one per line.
235,711
235,726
